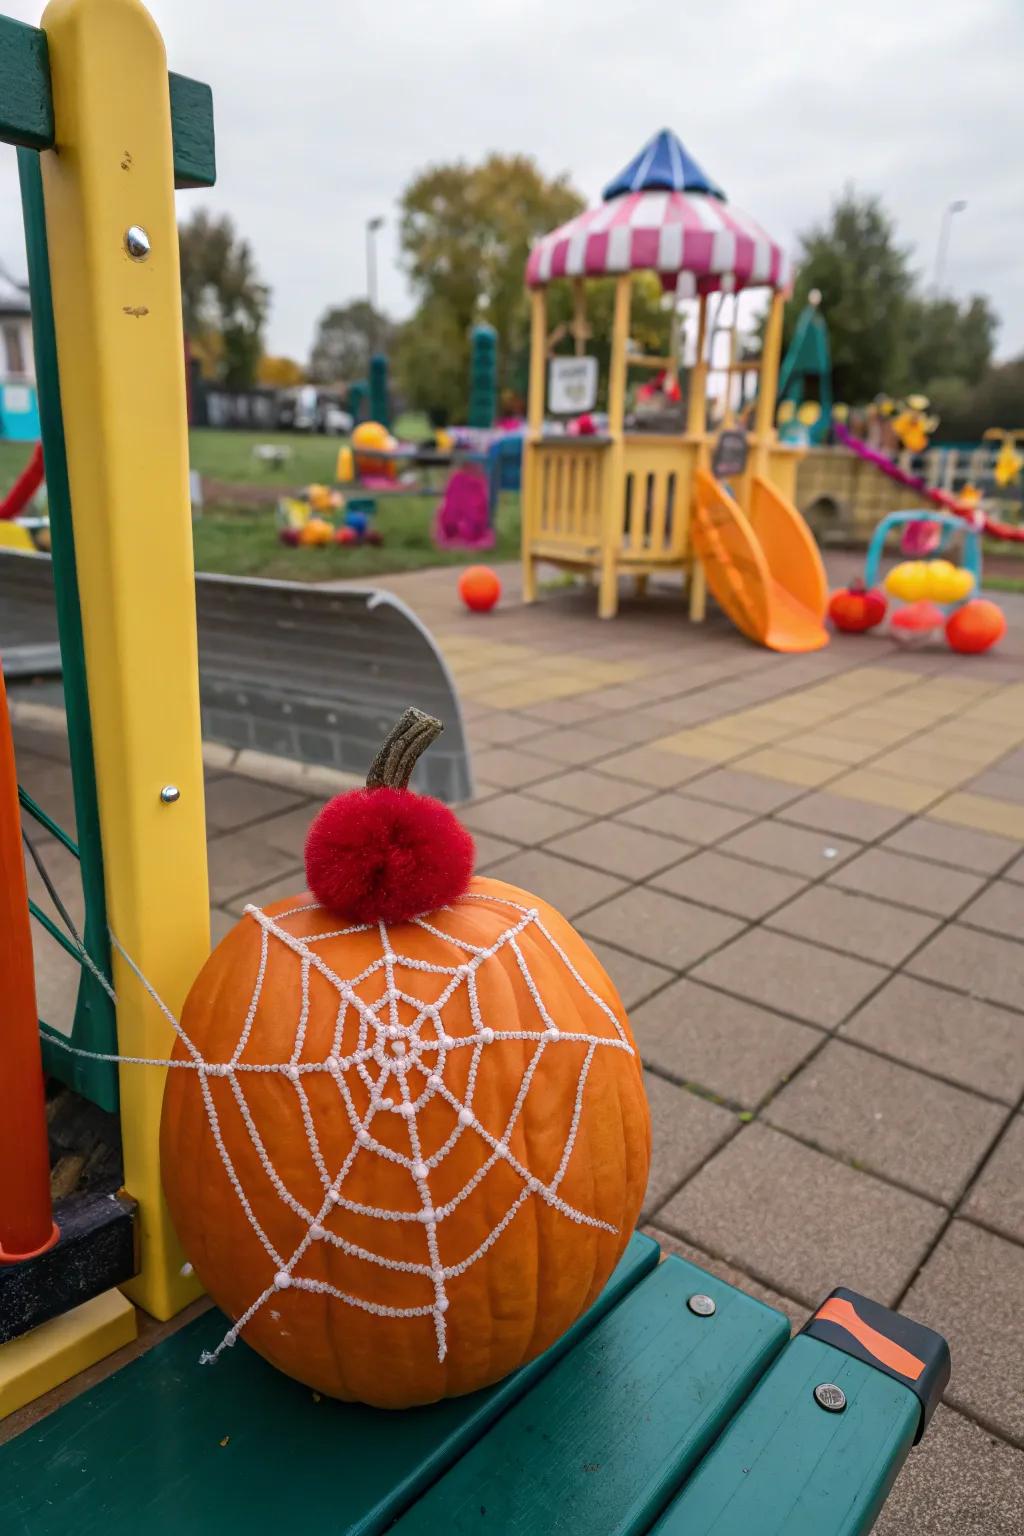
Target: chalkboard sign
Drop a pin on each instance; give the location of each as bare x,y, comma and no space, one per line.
730,456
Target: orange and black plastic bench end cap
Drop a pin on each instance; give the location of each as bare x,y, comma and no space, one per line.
907,1351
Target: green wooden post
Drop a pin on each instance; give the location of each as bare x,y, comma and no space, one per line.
94,1027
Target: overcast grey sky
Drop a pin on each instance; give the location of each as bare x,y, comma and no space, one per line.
325,108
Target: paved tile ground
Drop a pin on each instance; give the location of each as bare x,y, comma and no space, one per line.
806,876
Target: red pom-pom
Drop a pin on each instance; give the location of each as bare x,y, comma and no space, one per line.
387,855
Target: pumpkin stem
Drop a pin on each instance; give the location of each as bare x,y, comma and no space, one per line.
401,749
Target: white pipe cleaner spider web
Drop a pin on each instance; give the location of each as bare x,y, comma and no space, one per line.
386,1059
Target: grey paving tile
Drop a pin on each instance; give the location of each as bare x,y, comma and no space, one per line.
960,1481
733,885
744,791
489,850
1016,870
291,883
658,927
801,1221
648,765
1000,784
573,747
504,728
908,881
569,887
791,976
962,847
698,821
510,767
794,849
520,818
725,1046
961,1038
999,909
620,848
239,863
889,1119
685,1130
669,1243
858,924
997,1198
634,979
979,964
845,818
233,799
970,1290
594,793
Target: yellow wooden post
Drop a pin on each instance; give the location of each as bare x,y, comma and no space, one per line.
767,386
696,426
117,308
614,485
534,428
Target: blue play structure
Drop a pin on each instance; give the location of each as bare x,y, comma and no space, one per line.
19,412
504,469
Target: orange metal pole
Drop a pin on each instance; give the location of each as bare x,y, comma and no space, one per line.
26,1216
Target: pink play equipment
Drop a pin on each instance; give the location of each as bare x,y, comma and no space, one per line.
920,539
971,514
463,517
25,487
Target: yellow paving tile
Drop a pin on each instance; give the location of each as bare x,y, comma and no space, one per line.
535,691
853,727
884,789
790,767
479,682
748,727
875,679
703,743
983,813
924,767
794,710
836,749
960,749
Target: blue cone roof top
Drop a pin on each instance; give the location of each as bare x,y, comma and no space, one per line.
662,165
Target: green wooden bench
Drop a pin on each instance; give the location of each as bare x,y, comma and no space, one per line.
676,1405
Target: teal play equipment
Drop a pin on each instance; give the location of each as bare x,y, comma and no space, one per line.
806,372
483,376
380,399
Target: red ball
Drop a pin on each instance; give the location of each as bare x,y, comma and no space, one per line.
479,588
387,855
976,626
346,535
289,536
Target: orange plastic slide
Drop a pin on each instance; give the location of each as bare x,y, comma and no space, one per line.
765,572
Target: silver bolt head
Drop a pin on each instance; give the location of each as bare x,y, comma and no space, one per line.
830,1397
703,1306
170,793
136,242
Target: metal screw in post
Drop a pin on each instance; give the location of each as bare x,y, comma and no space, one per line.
830,1397
703,1306
170,793
136,242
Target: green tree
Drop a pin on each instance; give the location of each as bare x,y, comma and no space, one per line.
950,341
465,234
864,278
346,337
224,303
997,400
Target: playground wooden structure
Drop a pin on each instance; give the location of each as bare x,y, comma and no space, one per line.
641,503
690,1408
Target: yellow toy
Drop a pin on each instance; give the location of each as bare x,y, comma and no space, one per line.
345,469
938,580
317,530
322,499
1008,463
371,434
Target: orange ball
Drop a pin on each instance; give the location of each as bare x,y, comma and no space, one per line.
976,626
479,588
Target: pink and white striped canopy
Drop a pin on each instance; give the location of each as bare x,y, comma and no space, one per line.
695,242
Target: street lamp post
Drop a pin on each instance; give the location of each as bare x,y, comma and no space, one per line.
372,226
943,246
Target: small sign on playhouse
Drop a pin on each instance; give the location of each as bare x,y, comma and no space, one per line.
572,385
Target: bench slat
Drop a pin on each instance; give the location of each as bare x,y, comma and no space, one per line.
786,1467
601,1443
166,1446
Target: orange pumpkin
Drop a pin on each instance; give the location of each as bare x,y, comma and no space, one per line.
856,608
409,1153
